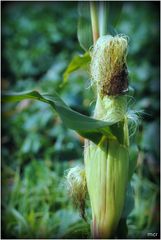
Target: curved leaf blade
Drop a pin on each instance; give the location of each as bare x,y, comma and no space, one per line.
115,9
87,127
78,62
84,30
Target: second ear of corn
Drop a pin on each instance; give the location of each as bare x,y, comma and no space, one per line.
107,163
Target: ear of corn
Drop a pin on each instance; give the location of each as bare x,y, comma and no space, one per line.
107,163
106,167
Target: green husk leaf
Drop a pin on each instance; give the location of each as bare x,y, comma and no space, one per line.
87,127
78,62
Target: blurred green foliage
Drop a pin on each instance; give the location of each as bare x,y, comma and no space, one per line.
35,205
38,42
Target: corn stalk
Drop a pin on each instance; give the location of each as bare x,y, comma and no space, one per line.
107,162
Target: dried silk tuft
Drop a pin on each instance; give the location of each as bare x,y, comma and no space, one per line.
108,65
77,187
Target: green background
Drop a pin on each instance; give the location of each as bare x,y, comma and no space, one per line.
38,41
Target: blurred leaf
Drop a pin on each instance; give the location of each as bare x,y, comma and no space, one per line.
72,216
115,9
84,30
145,216
21,220
27,145
31,218
103,17
87,127
132,159
80,61
151,131
129,201
109,14
77,230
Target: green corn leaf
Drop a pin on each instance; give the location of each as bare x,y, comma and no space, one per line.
78,62
115,9
84,30
87,127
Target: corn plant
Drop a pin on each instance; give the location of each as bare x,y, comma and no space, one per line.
107,165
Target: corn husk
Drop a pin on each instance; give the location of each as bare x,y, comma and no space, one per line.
107,163
106,167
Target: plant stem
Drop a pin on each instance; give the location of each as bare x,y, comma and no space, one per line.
94,21
103,15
